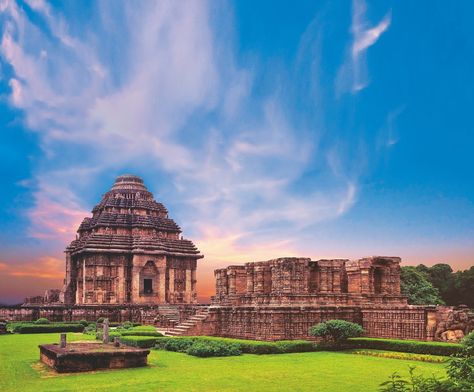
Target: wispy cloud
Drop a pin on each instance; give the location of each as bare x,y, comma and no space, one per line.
353,75
172,103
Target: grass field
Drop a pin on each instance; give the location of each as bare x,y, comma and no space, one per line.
20,370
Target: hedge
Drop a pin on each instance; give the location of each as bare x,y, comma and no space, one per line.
182,344
48,328
213,349
407,346
132,332
139,341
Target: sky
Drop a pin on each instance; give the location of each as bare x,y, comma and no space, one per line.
273,128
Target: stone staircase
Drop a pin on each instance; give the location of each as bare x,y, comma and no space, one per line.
168,316
188,326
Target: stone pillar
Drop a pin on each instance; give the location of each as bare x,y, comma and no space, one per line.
105,337
170,295
323,276
189,293
62,342
162,283
231,281
336,279
193,284
121,284
250,284
365,281
259,278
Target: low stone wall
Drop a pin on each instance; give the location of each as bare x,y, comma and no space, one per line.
273,323
115,313
277,323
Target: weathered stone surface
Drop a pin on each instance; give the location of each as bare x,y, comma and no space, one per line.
283,298
81,357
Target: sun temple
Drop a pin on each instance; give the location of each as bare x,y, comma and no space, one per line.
130,251
129,262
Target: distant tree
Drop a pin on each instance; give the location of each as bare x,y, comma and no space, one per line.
416,285
336,331
463,289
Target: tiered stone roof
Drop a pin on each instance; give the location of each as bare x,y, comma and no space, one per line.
128,219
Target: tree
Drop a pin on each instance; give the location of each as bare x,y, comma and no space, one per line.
336,331
418,288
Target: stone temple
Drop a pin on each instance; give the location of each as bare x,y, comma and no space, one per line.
129,262
130,251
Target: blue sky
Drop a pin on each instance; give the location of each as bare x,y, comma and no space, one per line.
270,128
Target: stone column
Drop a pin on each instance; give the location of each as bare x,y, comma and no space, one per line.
250,283
231,282
336,280
193,284
171,285
189,292
162,283
120,287
323,276
365,281
259,277
105,337
62,342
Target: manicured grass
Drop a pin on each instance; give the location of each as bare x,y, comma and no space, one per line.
169,371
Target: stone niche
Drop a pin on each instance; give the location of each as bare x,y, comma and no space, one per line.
82,357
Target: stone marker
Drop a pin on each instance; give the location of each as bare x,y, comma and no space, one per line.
62,343
117,341
105,337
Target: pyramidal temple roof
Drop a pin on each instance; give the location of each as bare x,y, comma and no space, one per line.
128,219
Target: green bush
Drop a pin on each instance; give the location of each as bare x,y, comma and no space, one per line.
141,333
139,341
182,344
468,342
336,331
85,323
213,349
407,346
127,325
42,321
48,328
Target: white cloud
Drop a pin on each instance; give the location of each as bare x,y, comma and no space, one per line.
153,110
353,73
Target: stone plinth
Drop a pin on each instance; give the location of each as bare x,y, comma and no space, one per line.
82,357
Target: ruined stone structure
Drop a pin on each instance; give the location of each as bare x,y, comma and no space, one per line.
130,252
283,298
130,263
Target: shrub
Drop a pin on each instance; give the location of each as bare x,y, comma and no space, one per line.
85,323
138,341
174,344
336,331
213,349
407,346
141,333
48,328
468,342
182,344
295,346
42,321
127,325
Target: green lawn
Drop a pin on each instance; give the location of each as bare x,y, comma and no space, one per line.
167,371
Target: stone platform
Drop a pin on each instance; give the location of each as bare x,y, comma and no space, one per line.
82,357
